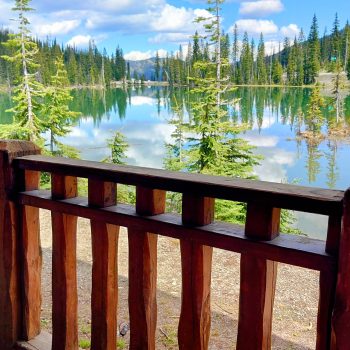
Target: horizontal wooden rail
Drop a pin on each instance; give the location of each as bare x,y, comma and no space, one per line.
312,200
295,250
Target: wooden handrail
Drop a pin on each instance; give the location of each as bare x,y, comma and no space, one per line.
260,242
308,199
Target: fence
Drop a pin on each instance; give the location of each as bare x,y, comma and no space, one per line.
260,243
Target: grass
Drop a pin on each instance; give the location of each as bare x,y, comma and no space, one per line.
84,344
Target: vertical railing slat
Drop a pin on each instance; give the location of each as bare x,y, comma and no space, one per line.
104,297
64,274
196,261
32,260
258,282
341,314
143,272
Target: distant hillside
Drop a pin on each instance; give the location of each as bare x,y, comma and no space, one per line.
145,67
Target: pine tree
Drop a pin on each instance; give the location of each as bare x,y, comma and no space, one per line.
277,71
261,66
312,56
336,42
235,55
118,146
300,59
314,116
58,118
27,123
246,58
157,67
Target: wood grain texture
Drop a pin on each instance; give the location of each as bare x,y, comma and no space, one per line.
290,249
10,269
258,282
313,200
31,261
143,272
196,264
341,314
104,297
327,285
64,274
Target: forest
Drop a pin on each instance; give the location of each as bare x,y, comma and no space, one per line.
296,62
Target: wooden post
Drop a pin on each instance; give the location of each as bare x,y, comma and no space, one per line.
196,260
64,274
341,314
10,270
104,297
327,285
258,282
143,272
31,260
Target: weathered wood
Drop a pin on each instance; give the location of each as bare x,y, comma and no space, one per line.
313,200
143,272
290,249
333,234
64,275
341,314
31,260
10,288
327,284
196,263
104,297
258,282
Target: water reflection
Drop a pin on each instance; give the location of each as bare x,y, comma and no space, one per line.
274,116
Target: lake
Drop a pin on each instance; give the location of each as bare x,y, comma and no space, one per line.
272,116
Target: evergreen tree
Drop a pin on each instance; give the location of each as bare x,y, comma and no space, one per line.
27,123
58,118
312,55
261,66
235,55
335,42
157,67
314,116
118,146
246,61
277,71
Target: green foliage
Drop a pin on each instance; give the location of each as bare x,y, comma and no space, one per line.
118,147
84,344
314,115
57,118
29,90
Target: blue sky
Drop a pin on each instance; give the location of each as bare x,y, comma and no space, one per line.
141,27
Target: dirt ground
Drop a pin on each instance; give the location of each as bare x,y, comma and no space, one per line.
294,322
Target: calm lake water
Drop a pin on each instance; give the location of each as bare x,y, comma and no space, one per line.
143,116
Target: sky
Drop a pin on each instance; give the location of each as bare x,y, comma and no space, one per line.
143,27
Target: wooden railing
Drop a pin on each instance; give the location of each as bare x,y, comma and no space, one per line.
260,243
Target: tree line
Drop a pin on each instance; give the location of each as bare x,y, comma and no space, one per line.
294,62
87,67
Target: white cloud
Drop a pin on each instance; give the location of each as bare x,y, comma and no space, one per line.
170,37
56,28
144,55
260,8
256,26
142,100
79,40
272,46
291,31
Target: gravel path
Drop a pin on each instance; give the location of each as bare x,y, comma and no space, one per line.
294,324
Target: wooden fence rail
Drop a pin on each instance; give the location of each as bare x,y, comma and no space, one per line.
260,243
